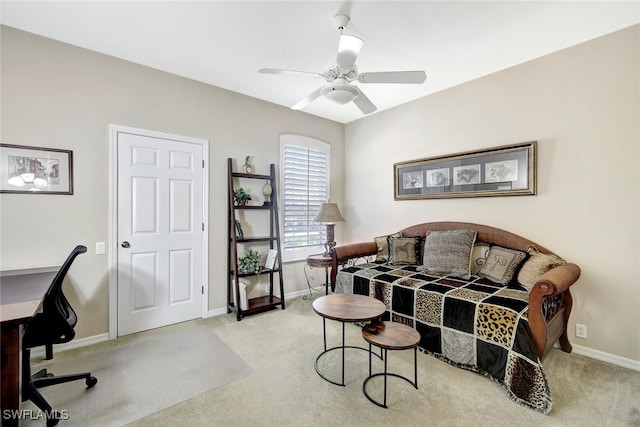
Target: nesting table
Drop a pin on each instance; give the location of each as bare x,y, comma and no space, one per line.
345,308
390,336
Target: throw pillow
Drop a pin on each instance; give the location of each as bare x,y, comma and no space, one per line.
502,264
383,247
537,264
404,250
478,257
448,252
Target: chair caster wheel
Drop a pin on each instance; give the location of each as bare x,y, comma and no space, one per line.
91,381
55,418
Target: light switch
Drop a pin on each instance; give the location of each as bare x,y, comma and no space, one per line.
99,248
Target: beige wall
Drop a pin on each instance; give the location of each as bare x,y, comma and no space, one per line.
57,95
582,106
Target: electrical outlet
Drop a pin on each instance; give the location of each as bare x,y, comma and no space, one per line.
581,331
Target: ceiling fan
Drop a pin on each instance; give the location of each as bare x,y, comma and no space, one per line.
339,88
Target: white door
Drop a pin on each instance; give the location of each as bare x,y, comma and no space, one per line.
160,232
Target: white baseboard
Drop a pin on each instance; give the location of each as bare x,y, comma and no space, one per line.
76,343
217,312
222,311
81,342
607,357
298,293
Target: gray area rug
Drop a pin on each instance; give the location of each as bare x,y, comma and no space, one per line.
140,377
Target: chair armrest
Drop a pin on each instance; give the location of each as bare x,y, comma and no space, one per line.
341,254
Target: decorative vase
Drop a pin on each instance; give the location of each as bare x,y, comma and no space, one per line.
266,192
248,166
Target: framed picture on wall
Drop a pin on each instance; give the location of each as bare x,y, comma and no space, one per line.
35,170
500,171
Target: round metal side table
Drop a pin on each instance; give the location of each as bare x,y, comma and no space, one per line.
317,261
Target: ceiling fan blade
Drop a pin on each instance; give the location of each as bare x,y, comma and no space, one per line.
308,100
279,71
363,103
348,51
408,77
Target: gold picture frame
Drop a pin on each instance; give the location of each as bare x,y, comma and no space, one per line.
508,170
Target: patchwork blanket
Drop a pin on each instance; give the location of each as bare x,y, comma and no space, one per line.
474,324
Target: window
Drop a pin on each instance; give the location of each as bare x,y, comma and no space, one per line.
305,186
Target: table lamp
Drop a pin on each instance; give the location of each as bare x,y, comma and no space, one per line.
329,214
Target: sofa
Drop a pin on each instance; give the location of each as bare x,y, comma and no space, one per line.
482,298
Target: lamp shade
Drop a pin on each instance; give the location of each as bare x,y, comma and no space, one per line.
329,213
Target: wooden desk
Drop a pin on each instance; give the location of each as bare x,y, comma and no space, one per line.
20,298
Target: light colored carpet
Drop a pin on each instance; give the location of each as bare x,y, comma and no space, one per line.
140,377
284,389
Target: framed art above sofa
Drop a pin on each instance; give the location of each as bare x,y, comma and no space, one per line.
500,171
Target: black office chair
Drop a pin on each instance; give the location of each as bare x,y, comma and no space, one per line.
54,325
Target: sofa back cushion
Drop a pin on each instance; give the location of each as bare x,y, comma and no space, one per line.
383,247
404,250
502,264
479,256
537,264
448,252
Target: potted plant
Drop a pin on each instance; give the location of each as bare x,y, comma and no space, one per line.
241,197
250,262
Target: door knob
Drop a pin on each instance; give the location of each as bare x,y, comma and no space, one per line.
125,244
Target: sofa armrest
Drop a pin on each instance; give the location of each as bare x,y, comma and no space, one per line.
342,254
556,280
553,282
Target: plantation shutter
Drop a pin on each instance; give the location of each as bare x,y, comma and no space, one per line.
304,189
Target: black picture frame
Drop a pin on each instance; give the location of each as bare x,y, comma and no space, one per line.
35,170
508,170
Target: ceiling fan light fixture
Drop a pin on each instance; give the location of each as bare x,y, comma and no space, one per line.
340,94
351,44
339,90
348,51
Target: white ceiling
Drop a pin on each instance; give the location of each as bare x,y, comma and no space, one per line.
224,43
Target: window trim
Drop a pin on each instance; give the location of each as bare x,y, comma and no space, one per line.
301,141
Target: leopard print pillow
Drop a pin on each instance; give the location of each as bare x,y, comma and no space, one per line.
537,264
449,252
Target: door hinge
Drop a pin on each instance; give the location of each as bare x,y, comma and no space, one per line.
202,289
203,226
203,164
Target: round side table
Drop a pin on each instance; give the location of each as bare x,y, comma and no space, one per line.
318,261
345,308
390,336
